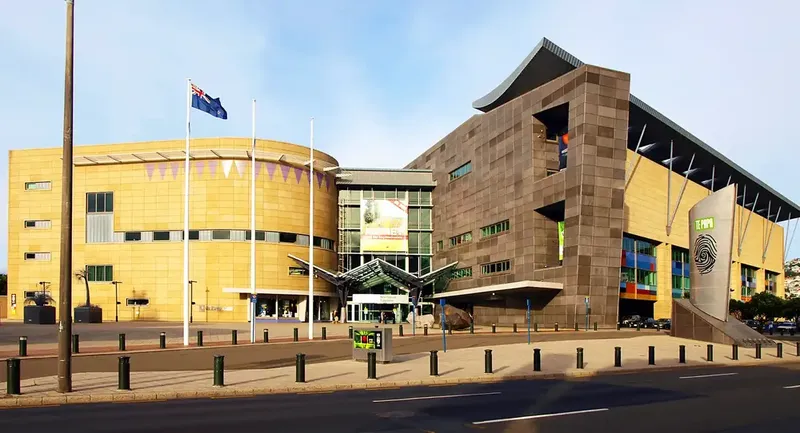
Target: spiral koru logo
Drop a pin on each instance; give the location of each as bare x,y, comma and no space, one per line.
705,253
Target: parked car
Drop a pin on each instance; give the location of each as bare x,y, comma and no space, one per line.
787,326
649,323
753,324
630,321
664,323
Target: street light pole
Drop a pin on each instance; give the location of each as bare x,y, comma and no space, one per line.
191,300
65,274
116,299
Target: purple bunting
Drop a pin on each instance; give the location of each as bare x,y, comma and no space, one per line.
199,166
258,168
319,179
212,167
327,183
285,172
270,169
298,174
149,168
162,169
175,166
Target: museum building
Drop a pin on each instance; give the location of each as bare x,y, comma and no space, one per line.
564,191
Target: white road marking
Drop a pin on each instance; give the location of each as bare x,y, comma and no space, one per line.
544,415
791,387
433,397
708,375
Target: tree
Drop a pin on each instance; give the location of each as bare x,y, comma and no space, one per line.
3,284
767,306
791,309
83,274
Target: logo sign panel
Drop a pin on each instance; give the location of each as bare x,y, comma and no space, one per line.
384,225
369,298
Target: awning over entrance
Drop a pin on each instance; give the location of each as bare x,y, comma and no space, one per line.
517,288
375,272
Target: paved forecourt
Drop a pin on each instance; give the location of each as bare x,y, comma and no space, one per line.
512,361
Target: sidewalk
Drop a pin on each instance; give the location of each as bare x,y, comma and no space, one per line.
455,366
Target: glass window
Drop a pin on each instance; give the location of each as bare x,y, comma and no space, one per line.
628,244
160,236
194,235
496,228
425,197
133,236
461,171
91,202
460,239
99,202
461,273
646,277
297,271
439,246
413,242
413,264
424,264
425,218
413,218
289,238
425,243
273,237
413,198
221,235
38,186
103,273
496,267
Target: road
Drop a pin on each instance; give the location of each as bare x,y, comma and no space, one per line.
270,355
732,400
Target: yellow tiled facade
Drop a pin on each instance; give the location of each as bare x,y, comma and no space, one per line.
646,217
148,196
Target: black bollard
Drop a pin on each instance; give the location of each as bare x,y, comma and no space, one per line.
425,330
555,327
12,376
76,346
434,370
595,326
162,340
471,328
617,356
638,327
780,350
300,368
710,353
266,336
576,326
325,332
535,326
494,328
199,338
651,355
399,331
371,366
618,326
735,352
449,330
781,331
579,360
515,328
219,370
487,361
124,373
121,342
537,359
295,336
23,346
234,337
349,332
682,354
758,350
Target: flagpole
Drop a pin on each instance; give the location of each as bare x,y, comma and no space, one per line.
186,171
253,231
311,237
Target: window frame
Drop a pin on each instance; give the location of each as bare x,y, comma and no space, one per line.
460,171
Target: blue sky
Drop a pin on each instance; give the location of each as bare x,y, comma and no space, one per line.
386,80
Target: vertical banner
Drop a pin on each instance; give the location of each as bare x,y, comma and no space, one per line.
384,225
561,240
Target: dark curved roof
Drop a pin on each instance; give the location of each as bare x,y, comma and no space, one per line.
548,61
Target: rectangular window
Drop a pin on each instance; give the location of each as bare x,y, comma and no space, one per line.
496,267
748,282
38,224
461,273
288,238
460,239
297,271
194,235
439,246
771,282
646,277
323,243
413,218
137,302
160,236
38,186
221,235
425,218
644,247
133,236
37,256
99,202
261,235
461,171
496,228
100,273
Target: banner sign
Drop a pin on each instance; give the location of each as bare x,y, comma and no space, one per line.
384,225
561,240
369,298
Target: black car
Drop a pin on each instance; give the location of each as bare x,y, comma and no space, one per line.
664,323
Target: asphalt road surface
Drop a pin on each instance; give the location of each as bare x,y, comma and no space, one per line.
686,400
257,356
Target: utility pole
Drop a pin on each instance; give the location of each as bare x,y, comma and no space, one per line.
65,274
